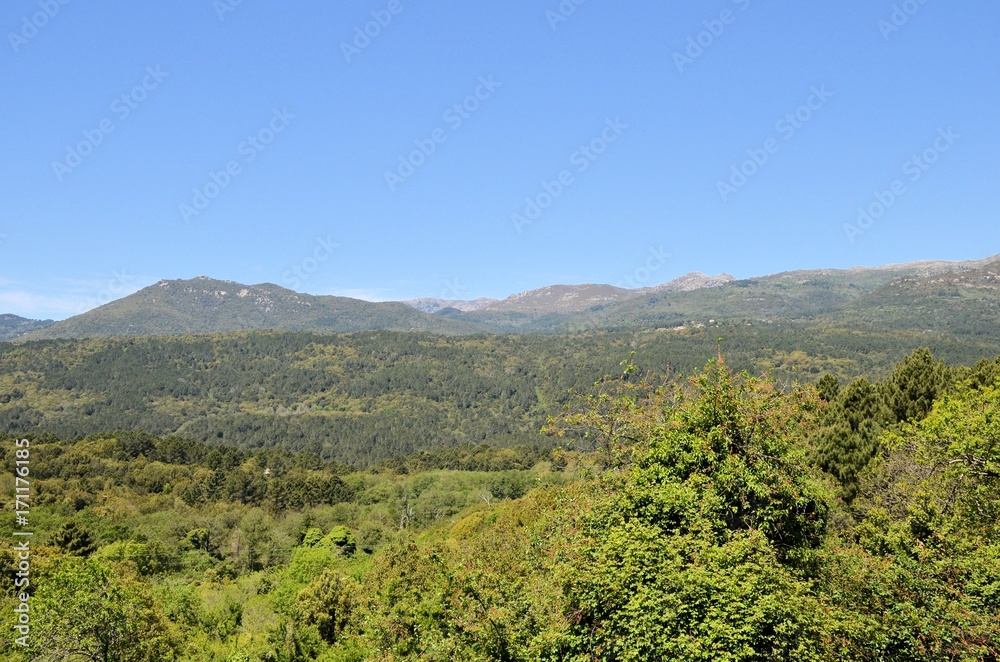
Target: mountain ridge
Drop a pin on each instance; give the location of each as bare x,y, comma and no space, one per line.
207,305
433,305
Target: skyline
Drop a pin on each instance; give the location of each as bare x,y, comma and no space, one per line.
119,286
390,150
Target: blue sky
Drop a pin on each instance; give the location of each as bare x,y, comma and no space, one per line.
483,148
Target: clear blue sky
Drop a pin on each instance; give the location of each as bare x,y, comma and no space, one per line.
201,79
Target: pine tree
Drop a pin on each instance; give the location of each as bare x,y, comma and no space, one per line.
913,386
74,540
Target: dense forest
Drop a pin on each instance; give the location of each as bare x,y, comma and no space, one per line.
361,398
714,515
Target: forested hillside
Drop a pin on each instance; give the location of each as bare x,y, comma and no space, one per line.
955,298
359,398
12,326
206,305
716,516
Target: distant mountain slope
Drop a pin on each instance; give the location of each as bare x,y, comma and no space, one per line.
955,296
959,301
204,305
431,305
689,283
563,299
12,326
560,299
793,296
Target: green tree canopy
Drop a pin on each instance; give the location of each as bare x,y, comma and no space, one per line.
694,557
90,611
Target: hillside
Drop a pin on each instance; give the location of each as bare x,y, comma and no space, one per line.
364,397
812,296
561,299
204,305
688,283
966,301
13,327
432,305
564,299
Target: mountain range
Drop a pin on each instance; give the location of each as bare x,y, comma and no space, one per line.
951,297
